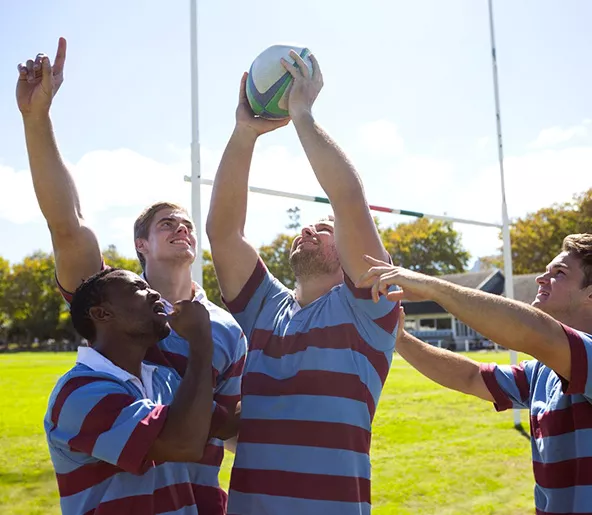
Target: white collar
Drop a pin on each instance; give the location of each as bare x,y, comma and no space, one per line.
99,363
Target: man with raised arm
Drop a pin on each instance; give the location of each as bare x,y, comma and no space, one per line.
318,356
165,242
122,433
556,386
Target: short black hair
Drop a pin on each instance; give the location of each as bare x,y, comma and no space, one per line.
89,294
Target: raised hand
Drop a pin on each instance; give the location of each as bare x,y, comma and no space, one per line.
305,87
191,321
39,81
382,275
245,117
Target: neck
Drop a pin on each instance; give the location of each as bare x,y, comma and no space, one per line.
172,282
580,321
125,352
310,288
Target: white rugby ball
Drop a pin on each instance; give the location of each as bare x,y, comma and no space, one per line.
268,82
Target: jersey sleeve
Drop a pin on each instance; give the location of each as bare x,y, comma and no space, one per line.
228,389
99,417
261,291
378,320
65,293
580,345
509,385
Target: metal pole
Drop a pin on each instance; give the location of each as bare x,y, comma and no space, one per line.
507,249
197,269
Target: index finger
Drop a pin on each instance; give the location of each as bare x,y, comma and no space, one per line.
369,277
316,70
60,58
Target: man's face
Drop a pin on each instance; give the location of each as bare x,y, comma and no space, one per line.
171,238
314,251
560,291
132,308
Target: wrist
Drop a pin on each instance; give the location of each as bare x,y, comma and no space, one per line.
245,133
36,118
302,116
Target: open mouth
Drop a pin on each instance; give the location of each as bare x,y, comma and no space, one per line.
158,308
181,242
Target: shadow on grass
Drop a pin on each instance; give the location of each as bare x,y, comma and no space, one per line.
522,431
26,478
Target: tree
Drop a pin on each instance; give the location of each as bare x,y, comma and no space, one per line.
210,281
537,237
33,302
116,260
294,215
276,256
430,247
4,279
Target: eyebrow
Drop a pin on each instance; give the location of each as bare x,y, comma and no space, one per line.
187,222
323,225
557,265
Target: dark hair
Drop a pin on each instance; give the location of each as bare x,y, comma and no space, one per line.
89,294
142,223
580,245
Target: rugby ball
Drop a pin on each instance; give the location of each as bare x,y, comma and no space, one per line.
268,82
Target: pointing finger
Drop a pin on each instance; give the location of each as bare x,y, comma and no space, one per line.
60,58
300,64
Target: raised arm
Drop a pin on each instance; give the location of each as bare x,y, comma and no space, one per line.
234,257
510,323
76,249
355,230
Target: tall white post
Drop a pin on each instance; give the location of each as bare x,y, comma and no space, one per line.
507,249
197,269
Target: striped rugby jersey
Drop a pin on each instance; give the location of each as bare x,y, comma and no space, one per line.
100,423
311,384
228,359
560,424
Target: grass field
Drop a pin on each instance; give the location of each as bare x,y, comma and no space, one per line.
434,451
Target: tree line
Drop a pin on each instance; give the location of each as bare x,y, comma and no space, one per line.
33,314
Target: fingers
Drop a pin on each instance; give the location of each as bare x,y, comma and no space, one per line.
368,278
242,94
397,296
60,58
22,69
290,68
376,262
299,62
316,70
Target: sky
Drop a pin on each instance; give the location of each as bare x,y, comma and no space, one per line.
408,95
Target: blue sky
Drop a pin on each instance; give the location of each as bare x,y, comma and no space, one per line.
408,95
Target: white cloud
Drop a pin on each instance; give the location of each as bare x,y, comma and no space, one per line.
381,138
483,142
557,135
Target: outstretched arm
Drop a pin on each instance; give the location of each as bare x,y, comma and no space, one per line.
446,368
355,230
510,323
75,245
233,256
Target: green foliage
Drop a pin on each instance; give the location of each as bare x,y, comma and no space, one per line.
210,281
276,256
537,237
430,247
116,260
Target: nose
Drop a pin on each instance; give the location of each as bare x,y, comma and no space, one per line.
543,278
153,295
308,231
182,228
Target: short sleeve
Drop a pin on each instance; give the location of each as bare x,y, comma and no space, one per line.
509,385
580,345
261,291
100,418
228,389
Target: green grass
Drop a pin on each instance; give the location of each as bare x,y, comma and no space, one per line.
434,451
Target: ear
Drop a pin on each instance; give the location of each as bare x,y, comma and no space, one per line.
100,314
141,245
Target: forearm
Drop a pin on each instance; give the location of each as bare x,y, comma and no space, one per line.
446,368
335,173
54,186
509,323
189,415
228,205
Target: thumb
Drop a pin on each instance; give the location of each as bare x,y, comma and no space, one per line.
374,261
46,78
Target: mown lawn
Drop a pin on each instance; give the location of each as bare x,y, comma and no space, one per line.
434,451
